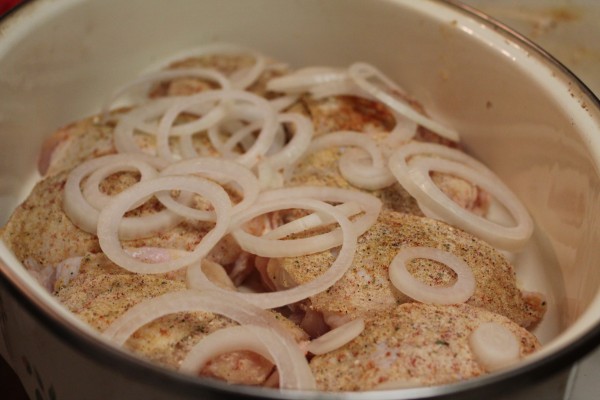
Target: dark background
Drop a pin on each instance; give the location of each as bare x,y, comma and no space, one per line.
10,386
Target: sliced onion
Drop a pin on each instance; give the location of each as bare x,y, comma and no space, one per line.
268,176
299,143
118,163
111,215
220,170
249,158
138,119
338,88
404,129
219,302
353,169
414,176
278,143
370,204
304,79
494,346
196,278
459,292
282,102
240,122
337,337
240,79
311,221
259,340
217,274
358,168
361,73
159,76
83,215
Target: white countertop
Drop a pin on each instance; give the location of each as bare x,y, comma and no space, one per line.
570,31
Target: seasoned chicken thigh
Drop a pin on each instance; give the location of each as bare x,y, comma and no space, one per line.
411,345
101,292
366,286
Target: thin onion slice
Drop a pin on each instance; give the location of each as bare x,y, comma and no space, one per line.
158,76
110,217
259,340
220,170
265,137
282,102
338,88
85,216
304,79
311,221
494,346
139,119
240,79
337,337
372,176
299,143
357,167
219,302
370,204
459,292
404,129
197,279
362,72
120,163
414,176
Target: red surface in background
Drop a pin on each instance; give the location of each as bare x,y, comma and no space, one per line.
6,5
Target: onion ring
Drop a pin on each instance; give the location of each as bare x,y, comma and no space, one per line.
459,292
414,176
249,158
218,302
220,170
259,340
370,204
158,76
360,74
494,346
83,215
108,221
304,79
197,279
240,80
337,337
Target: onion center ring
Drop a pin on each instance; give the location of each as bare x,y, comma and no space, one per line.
414,176
494,346
362,72
337,337
459,292
203,73
258,339
370,204
198,280
265,137
111,215
218,302
220,170
85,216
